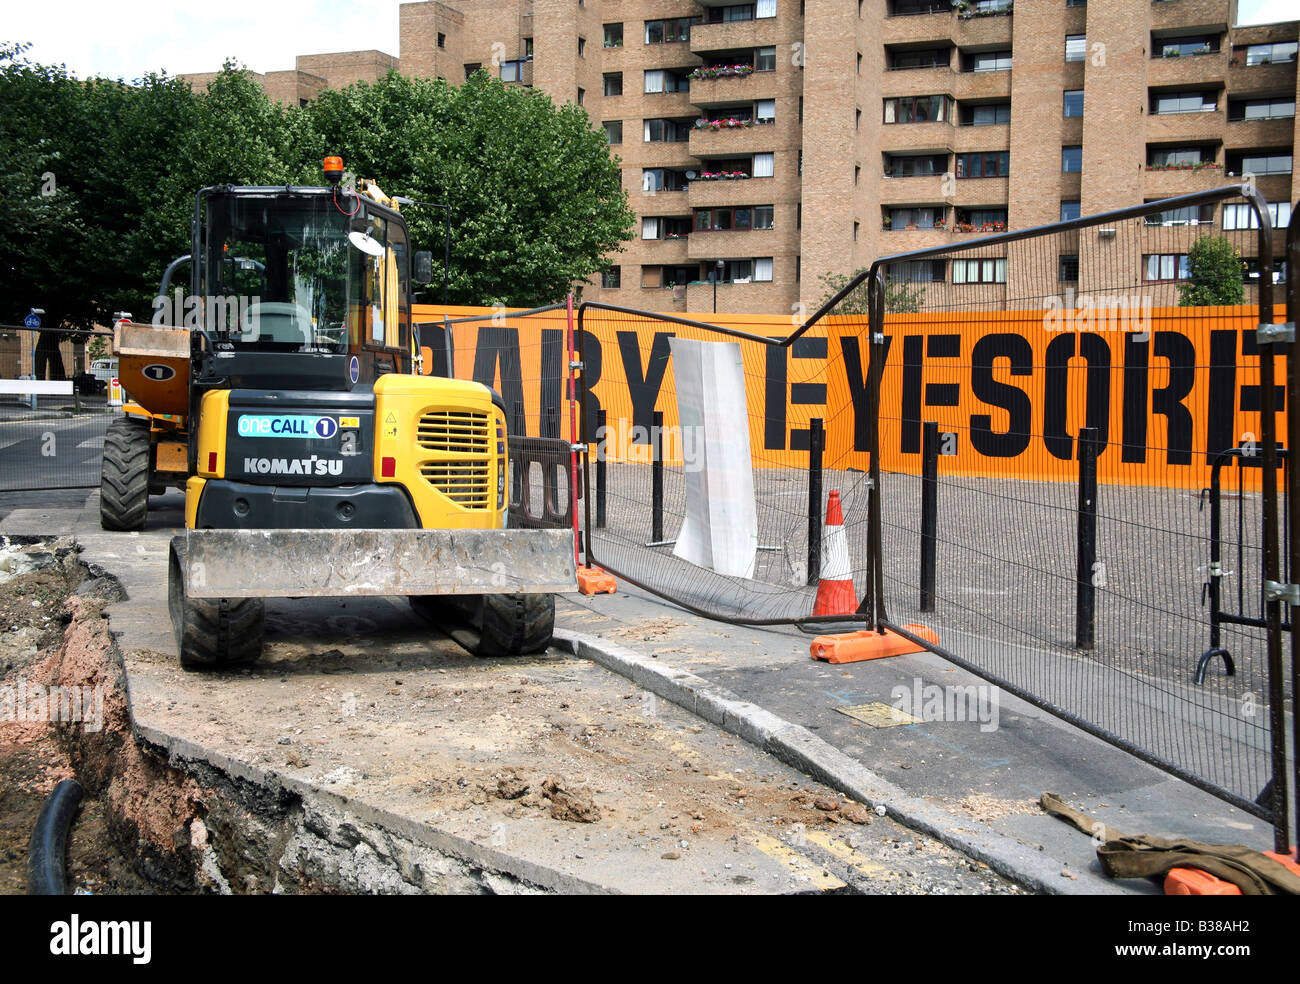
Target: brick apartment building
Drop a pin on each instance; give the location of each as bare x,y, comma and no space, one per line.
767,143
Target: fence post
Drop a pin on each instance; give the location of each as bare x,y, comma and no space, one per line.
657,478
601,424
816,445
517,428
1085,603
929,511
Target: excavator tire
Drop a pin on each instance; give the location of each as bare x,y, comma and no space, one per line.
124,476
212,633
501,624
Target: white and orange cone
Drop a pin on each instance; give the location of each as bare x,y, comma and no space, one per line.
835,594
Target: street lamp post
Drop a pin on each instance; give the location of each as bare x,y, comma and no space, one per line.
717,275
446,243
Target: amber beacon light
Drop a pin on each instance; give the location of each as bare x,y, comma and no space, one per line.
333,167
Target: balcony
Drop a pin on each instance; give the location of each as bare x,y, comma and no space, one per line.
1261,133
1195,127
981,85
657,153
1188,70
740,297
1268,79
735,142
901,137
909,81
923,188
735,34
976,192
1168,183
708,194
982,30
736,243
1206,14
906,28
967,139
669,251
733,89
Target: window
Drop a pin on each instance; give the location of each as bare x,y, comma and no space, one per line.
442,40
988,165
1250,269
1067,268
1076,49
614,131
662,179
914,217
1165,266
613,35
528,49
650,227
763,216
669,131
765,59
1188,215
764,166
471,68
613,83
1260,162
920,58
582,47
1185,102
915,165
1072,158
1202,44
765,8
989,114
918,109
855,231
916,272
857,174
670,31
991,271
740,219
1243,216
1069,210
1270,54
979,218
662,80
1073,103
765,111
1160,157
763,269
1262,109
613,277
582,94
513,71
991,61
730,13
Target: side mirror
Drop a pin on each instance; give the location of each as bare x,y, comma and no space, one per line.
423,272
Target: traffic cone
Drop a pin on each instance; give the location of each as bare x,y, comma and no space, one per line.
835,594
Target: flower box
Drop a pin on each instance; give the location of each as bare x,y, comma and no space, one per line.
709,72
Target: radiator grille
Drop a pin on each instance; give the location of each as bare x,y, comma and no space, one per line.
464,437
454,430
464,483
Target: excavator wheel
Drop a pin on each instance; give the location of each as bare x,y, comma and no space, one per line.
212,633
500,624
124,475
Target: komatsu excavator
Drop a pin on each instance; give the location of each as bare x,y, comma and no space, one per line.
283,395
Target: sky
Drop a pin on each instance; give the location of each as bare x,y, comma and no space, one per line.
128,39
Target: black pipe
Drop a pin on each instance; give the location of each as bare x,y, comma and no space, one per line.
929,511
657,478
46,855
602,466
1085,599
816,445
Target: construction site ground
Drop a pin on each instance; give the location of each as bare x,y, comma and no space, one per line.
368,753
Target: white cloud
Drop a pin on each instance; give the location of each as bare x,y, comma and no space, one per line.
132,39
1266,11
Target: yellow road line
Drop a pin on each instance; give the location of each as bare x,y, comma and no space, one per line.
800,866
847,854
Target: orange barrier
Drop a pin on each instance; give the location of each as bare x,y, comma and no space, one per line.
1194,881
592,580
857,647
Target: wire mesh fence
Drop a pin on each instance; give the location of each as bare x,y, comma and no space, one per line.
53,410
1078,412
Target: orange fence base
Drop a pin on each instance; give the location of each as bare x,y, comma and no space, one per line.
856,647
1194,881
592,580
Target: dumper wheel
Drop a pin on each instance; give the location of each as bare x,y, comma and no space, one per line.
499,625
124,476
212,633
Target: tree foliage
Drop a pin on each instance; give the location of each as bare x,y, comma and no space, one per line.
900,297
98,177
1214,274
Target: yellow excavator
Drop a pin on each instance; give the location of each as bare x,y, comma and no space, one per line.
284,395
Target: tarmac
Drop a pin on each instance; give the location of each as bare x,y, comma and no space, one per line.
973,784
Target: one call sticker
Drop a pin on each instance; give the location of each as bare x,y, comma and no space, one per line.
287,425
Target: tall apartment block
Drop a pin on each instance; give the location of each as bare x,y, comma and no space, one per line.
765,144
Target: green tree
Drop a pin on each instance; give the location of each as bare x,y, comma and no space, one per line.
535,198
900,297
1214,274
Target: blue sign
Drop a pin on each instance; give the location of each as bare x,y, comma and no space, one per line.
33,321
354,369
267,425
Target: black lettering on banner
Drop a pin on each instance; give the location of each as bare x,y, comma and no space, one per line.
499,344
589,346
552,379
1015,401
1168,400
774,382
1220,402
938,394
806,394
1137,381
1095,351
1251,399
856,376
643,387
